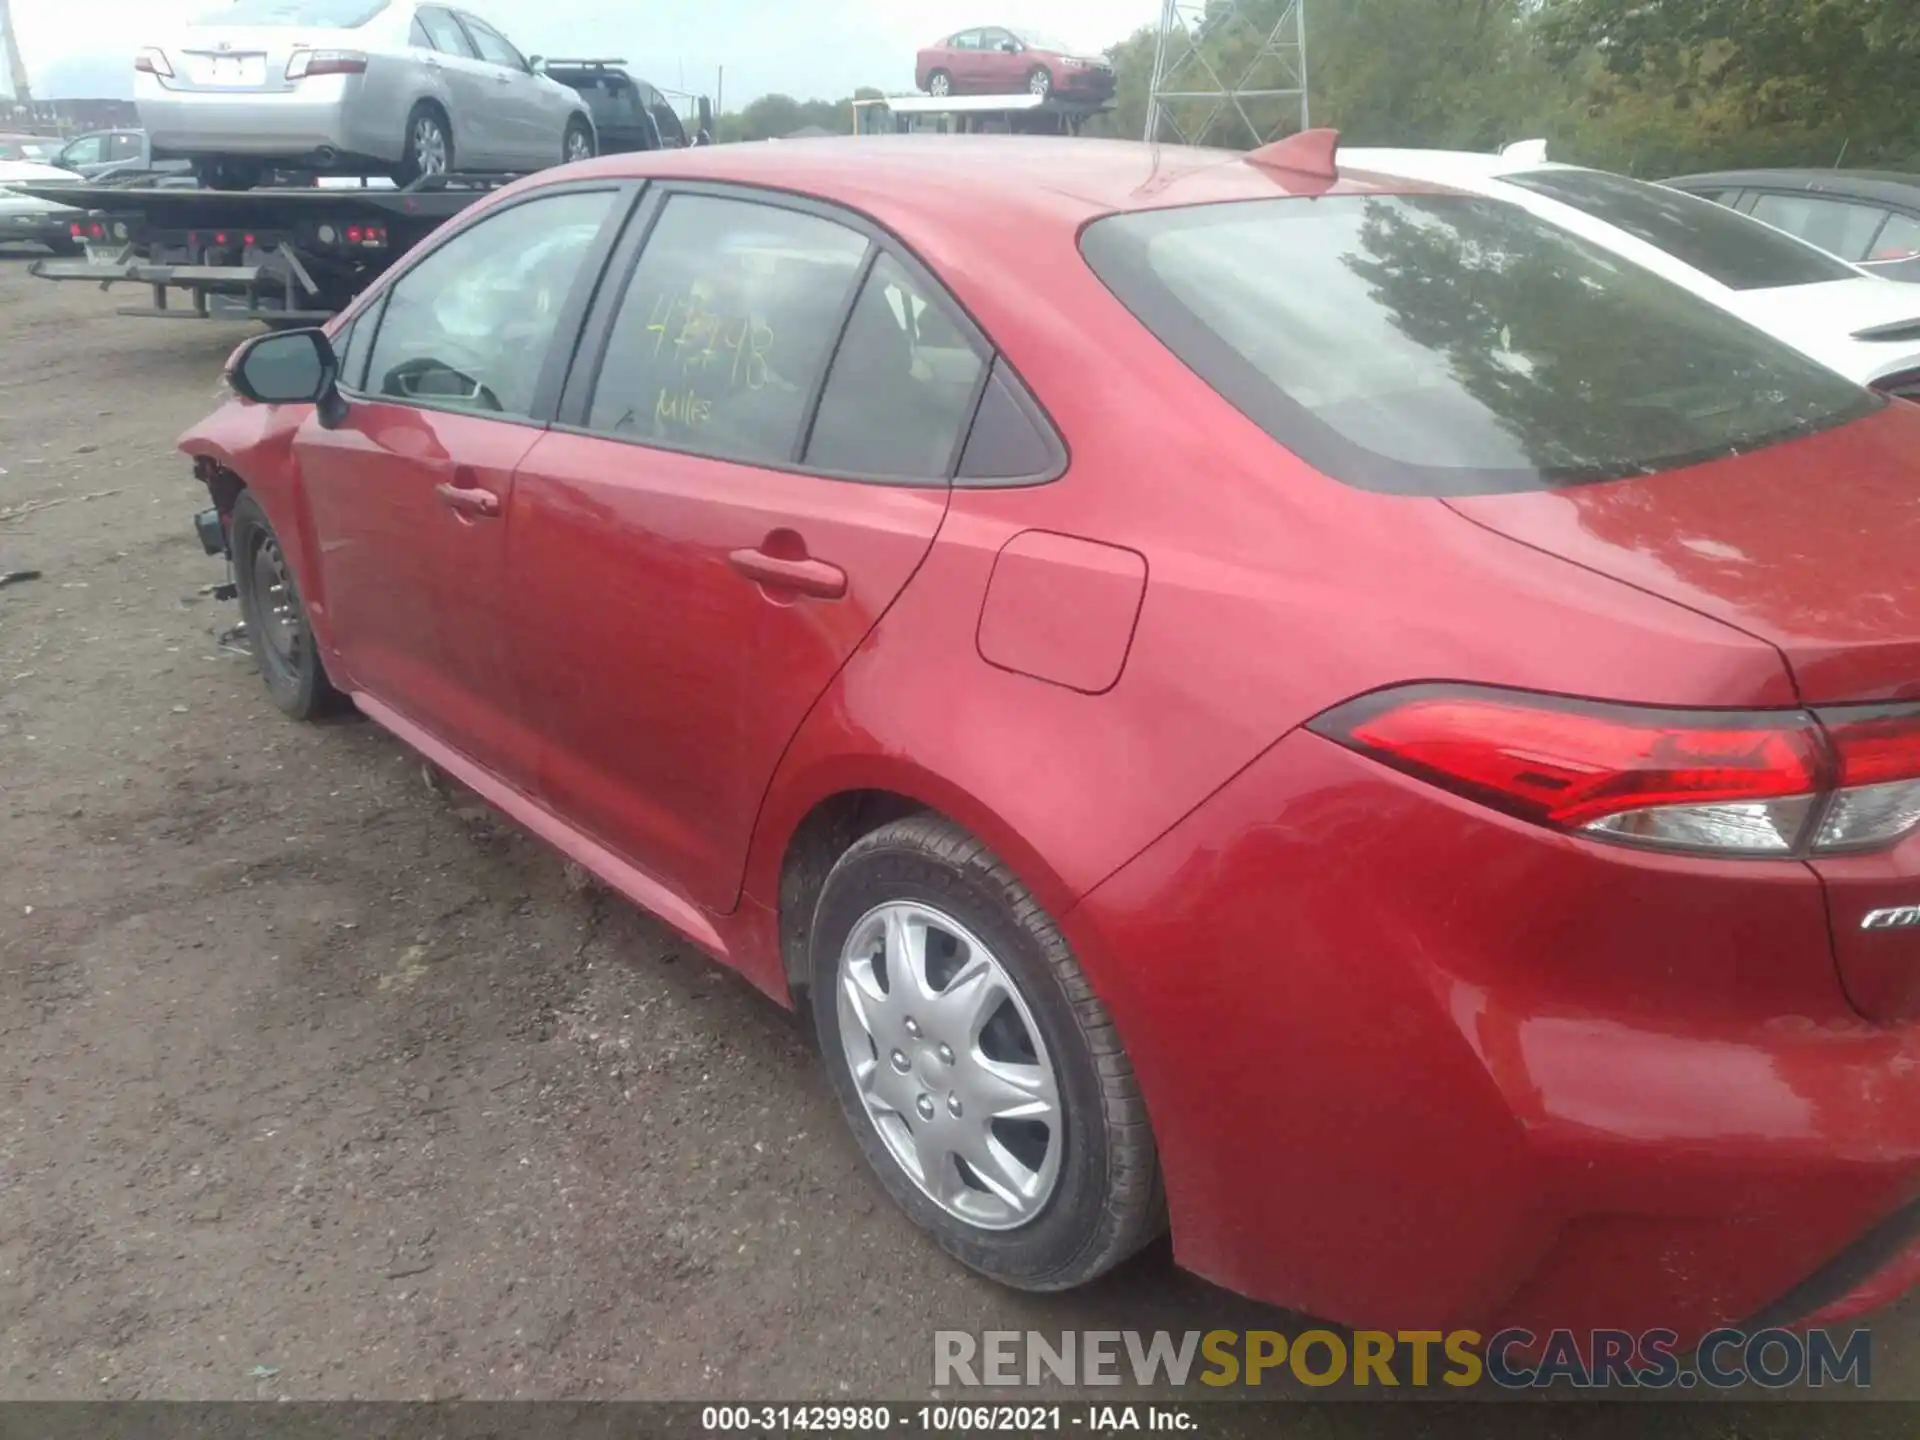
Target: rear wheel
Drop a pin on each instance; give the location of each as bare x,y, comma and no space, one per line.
276,617
940,84
982,1077
429,148
578,144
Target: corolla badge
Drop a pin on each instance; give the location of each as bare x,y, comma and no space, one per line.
1901,917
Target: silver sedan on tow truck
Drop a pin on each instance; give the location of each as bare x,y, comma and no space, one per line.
352,87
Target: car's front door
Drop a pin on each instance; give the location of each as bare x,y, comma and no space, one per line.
692,564
963,56
1002,69
408,495
480,139
529,124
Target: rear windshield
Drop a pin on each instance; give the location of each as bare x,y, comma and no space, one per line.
1454,345
1740,253
314,14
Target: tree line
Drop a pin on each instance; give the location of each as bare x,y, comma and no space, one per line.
1645,86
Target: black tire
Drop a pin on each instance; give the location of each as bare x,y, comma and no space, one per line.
940,84
417,158
579,134
1040,82
296,678
66,246
1108,1200
227,174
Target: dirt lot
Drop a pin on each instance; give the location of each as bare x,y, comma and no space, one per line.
316,1083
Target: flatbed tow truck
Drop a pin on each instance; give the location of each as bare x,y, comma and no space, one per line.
288,256
296,251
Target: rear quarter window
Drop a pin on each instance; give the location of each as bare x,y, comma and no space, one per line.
1454,345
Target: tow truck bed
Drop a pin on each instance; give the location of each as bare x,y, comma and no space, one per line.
286,256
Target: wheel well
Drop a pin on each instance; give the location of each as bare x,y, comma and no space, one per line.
427,102
818,842
222,484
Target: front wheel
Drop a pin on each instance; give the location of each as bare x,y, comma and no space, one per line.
983,1079
276,617
1040,82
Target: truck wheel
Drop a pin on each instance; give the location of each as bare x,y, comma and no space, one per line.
429,149
276,617
578,144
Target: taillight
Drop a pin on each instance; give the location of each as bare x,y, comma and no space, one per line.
325,62
153,62
1765,783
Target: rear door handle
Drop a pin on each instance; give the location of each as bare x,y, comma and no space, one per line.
804,577
468,502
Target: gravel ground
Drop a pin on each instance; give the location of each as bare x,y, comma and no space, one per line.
315,1082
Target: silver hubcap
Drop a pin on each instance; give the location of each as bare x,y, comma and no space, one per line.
950,1065
577,146
429,146
941,85
1041,82
279,603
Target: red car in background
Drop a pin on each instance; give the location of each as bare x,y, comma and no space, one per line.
997,60
1315,709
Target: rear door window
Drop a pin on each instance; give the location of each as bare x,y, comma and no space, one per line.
1715,241
1454,345
725,329
492,45
902,388
445,35
1839,227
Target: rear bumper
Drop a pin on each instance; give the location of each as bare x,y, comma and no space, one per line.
286,125
1412,1064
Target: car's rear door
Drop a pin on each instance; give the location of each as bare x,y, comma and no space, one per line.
449,381
480,138
752,459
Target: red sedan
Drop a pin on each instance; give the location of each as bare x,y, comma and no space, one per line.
1324,713
994,60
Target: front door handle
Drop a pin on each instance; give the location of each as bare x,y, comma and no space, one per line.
482,503
804,577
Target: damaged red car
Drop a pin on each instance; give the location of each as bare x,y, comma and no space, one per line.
1325,714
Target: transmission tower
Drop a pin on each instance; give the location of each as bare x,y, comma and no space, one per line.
1225,71
15,77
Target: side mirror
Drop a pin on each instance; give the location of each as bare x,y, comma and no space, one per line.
537,64
288,367
1012,47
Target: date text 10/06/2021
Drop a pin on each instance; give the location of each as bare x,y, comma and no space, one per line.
948,1419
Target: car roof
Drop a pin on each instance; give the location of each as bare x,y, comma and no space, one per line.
982,181
1866,184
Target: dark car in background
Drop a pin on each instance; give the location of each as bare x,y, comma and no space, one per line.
998,60
1868,217
628,113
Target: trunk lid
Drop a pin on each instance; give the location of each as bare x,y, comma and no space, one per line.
1812,545
241,58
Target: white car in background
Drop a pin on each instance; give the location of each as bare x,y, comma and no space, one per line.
15,173
352,86
1866,327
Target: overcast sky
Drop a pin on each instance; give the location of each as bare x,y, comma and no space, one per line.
806,48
